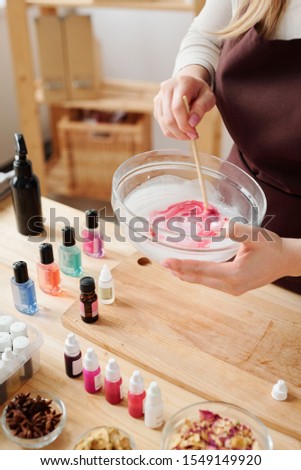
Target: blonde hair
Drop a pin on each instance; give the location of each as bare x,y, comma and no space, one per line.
265,13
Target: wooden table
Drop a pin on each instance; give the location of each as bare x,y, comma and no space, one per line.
84,410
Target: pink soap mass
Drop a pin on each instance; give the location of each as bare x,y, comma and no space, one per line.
186,223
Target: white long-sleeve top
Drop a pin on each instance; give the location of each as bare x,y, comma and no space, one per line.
202,48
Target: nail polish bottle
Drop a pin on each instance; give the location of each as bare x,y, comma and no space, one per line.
70,259
106,290
153,408
26,193
72,356
136,395
48,271
20,345
88,301
91,372
23,288
113,381
93,243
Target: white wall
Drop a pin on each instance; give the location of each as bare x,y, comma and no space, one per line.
9,120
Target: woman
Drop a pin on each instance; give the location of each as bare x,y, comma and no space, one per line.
245,57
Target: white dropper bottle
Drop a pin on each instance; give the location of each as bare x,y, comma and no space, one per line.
106,290
153,407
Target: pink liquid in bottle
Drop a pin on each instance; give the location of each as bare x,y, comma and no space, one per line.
113,381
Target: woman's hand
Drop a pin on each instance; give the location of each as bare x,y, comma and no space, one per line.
262,258
169,108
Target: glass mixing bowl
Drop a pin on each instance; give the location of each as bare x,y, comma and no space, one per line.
197,427
148,183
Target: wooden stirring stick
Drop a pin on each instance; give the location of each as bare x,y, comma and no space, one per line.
198,166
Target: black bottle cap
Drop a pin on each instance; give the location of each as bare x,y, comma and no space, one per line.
87,284
91,218
46,253
20,272
68,236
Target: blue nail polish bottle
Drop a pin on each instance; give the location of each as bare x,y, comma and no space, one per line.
23,288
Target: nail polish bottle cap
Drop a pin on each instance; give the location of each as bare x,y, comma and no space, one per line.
5,322
8,356
136,385
91,218
18,328
153,394
279,391
20,272
19,344
71,345
46,253
90,360
112,370
87,284
68,236
5,340
105,274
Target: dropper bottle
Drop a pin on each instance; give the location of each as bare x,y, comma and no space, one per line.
113,381
106,288
26,193
153,408
72,356
136,395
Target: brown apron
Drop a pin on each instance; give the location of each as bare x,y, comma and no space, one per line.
258,92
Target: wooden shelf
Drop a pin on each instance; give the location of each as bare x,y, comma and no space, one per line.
24,69
180,5
116,94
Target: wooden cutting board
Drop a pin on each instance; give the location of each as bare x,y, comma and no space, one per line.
218,346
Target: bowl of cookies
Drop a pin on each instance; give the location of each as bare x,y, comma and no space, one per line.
105,438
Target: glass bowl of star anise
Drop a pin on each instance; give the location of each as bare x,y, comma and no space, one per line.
34,420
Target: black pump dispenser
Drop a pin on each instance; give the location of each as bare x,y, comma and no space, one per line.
26,194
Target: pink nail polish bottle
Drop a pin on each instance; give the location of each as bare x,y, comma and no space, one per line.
136,395
113,381
91,372
93,243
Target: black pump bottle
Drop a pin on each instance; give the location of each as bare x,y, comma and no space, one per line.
26,193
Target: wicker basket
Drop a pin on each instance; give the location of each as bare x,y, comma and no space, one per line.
90,152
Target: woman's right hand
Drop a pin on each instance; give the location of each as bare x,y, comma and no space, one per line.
169,107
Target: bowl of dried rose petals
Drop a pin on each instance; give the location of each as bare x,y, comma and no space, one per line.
34,420
215,426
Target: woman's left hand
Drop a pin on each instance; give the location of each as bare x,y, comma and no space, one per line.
262,258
